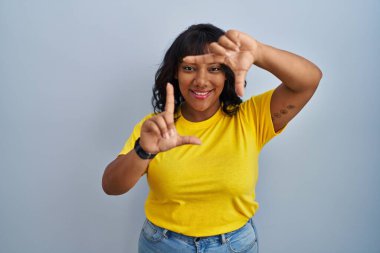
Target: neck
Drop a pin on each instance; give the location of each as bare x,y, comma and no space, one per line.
198,116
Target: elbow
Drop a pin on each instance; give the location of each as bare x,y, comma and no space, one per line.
317,77
314,77
112,192
308,82
105,187
319,74
109,188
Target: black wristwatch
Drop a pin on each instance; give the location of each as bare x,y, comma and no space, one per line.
141,152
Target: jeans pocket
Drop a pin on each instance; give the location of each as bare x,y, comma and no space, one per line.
151,232
243,240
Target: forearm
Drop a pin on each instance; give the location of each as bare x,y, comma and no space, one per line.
123,173
296,72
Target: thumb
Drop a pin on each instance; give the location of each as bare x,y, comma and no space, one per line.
184,140
239,82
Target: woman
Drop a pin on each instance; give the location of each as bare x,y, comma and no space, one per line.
200,148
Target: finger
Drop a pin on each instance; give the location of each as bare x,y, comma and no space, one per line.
239,82
225,42
204,58
169,105
217,49
151,126
184,140
169,119
161,123
234,36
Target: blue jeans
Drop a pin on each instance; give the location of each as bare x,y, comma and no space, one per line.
159,240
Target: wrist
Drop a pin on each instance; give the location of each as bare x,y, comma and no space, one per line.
141,152
258,53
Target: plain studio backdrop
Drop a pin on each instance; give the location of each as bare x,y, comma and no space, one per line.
75,76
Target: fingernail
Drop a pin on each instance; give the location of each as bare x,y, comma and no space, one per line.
171,132
166,135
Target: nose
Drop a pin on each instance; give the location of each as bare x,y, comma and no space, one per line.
201,78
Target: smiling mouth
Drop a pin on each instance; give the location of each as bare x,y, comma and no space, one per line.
201,94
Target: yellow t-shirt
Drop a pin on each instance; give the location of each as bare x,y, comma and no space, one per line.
209,189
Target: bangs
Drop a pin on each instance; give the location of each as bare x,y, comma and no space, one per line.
196,43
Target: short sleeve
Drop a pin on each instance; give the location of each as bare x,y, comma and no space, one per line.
129,144
257,110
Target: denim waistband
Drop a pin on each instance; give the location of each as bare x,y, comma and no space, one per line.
222,238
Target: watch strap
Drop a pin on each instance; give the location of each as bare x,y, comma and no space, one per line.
141,152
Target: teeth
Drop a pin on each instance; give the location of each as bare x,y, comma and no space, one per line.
201,93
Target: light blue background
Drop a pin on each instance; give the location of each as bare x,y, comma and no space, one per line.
76,76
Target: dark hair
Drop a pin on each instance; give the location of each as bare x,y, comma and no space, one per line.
193,41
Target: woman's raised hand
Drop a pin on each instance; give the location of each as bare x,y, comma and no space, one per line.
234,49
159,134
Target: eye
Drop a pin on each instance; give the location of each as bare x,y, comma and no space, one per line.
188,68
215,69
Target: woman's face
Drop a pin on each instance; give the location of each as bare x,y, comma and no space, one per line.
200,86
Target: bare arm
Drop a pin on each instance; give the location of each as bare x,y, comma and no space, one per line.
158,134
299,76
123,173
300,79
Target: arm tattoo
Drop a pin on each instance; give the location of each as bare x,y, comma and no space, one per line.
277,115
